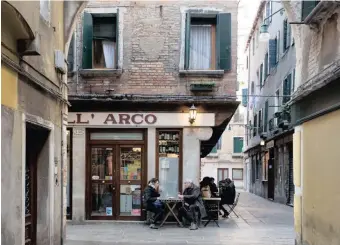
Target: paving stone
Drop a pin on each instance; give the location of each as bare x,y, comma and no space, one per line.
260,222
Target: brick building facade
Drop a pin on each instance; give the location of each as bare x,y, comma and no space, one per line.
136,68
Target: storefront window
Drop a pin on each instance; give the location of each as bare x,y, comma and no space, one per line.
169,150
69,175
116,136
130,172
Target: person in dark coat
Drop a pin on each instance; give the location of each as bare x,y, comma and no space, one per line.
213,187
151,201
192,202
228,193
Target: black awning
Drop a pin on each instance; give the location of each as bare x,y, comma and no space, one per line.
207,145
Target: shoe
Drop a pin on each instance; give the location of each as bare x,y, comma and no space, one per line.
193,226
153,226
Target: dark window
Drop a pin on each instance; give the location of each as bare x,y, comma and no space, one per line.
208,42
287,89
253,169
253,45
255,126
238,144
266,107
247,62
222,174
258,167
307,7
260,127
237,174
100,41
286,35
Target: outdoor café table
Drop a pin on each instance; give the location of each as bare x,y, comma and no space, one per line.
171,203
212,209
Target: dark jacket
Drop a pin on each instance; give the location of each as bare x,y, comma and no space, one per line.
149,197
192,196
213,189
228,192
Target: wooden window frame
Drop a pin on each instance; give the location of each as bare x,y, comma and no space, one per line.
180,163
232,173
223,177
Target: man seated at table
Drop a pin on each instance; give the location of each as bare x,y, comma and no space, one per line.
192,202
151,202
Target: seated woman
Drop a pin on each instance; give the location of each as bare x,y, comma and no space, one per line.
151,202
205,187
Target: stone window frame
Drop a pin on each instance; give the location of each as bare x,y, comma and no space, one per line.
184,11
120,28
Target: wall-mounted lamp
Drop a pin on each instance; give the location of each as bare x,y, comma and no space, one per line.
192,114
264,34
262,142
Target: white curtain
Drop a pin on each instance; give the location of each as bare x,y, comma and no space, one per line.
109,53
200,47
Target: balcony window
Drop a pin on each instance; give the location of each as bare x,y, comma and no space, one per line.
100,38
208,41
222,174
287,87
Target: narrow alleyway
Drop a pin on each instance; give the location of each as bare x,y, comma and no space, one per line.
260,222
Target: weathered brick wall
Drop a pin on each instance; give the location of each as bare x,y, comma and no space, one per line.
317,46
152,37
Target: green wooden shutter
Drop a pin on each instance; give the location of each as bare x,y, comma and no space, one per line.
224,41
187,41
266,73
272,53
289,34
87,41
238,144
117,39
307,7
278,47
245,97
214,149
255,126
284,36
266,107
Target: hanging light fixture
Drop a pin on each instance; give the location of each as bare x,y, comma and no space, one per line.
264,34
192,114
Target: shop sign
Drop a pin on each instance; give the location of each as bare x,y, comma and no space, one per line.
138,119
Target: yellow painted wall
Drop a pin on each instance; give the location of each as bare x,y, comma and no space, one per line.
321,180
9,87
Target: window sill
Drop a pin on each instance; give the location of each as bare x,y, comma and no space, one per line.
100,72
235,155
208,73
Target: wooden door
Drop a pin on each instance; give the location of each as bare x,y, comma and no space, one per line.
101,199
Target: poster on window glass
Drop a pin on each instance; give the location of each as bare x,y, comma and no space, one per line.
168,176
109,211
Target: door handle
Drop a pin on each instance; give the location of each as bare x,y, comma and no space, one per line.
113,188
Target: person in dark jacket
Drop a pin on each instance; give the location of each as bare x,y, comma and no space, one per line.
151,201
228,193
192,202
213,187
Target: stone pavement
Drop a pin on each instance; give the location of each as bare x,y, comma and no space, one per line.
260,222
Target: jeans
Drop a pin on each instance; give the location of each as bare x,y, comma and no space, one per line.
157,211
